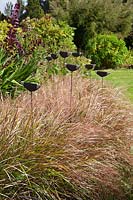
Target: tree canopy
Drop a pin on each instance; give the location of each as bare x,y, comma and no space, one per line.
95,17
34,9
89,17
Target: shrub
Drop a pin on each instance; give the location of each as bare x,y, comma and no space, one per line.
82,153
107,51
129,60
50,34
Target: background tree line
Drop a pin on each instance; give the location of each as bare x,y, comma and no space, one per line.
90,19
96,17
87,16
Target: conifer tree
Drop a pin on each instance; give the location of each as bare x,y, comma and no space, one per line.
34,9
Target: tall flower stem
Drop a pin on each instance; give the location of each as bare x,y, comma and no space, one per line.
11,39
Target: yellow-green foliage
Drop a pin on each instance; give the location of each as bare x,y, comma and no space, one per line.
53,35
4,27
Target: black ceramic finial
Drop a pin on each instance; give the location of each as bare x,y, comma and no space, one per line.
54,56
76,54
72,67
102,73
49,58
90,66
30,86
64,54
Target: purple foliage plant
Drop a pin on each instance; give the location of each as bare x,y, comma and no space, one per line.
11,39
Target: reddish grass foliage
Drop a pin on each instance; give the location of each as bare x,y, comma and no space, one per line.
82,152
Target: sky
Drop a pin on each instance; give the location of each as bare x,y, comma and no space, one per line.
3,3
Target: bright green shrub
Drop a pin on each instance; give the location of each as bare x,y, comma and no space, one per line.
129,59
107,51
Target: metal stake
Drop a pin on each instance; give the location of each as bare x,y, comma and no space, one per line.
102,82
90,79
31,110
71,90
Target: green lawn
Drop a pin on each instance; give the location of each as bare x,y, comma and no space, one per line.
121,78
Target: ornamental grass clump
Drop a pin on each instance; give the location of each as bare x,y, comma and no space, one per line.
82,154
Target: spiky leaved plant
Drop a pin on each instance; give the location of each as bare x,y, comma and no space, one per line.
11,39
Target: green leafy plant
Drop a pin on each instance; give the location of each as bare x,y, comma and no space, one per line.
4,28
94,17
50,34
14,70
107,51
